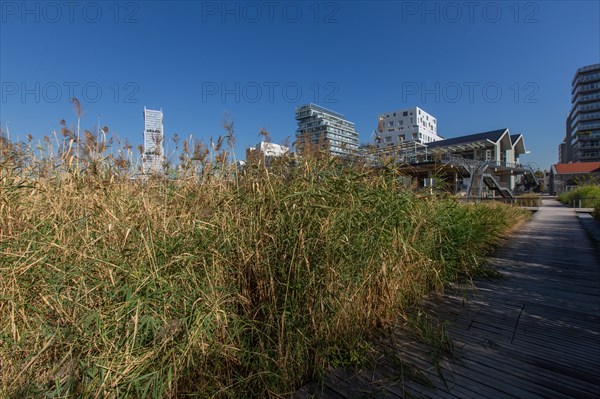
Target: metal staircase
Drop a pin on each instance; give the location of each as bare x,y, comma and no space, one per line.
480,178
492,182
531,178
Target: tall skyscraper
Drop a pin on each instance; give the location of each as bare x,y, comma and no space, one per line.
582,139
319,125
404,126
153,158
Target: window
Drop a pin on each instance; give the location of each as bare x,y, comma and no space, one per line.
388,139
391,123
405,113
401,123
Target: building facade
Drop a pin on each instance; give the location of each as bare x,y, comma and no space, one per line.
266,152
153,158
567,176
405,126
327,129
582,139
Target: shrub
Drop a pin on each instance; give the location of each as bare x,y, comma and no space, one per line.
585,196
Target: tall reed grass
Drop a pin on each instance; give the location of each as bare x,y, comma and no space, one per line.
217,283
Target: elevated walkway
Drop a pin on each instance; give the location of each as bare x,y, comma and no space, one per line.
418,161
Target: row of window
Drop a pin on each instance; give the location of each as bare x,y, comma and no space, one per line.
587,97
402,137
423,122
587,78
405,113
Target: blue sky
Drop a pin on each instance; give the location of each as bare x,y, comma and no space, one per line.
475,66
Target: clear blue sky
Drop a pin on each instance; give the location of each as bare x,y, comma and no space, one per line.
475,66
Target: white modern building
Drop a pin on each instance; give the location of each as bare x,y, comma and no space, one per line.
153,158
327,128
404,126
266,152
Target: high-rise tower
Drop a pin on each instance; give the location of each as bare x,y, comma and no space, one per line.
153,158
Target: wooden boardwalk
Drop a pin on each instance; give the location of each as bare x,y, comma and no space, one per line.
533,334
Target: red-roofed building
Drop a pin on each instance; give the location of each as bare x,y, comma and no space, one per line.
565,176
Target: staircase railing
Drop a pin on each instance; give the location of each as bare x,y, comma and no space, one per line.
492,182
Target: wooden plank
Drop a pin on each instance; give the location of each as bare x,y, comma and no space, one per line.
491,339
465,373
516,368
475,389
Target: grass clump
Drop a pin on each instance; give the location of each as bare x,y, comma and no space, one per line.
584,196
529,200
212,284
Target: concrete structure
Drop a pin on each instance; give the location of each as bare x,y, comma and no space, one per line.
153,158
582,139
563,155
404,126
478,165
326,129
566,176
545,182
266,152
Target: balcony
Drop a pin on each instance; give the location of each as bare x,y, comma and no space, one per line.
588,97
585,117
580,79
585,126
584,89
585,108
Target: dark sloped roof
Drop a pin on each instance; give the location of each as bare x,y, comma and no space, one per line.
516,138
492,135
